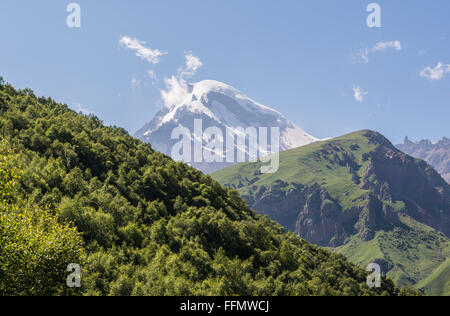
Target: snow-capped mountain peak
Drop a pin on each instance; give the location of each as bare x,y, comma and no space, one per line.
217,105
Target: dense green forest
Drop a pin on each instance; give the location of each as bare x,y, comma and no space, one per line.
149,225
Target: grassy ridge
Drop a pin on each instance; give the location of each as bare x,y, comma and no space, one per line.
407,252
308,165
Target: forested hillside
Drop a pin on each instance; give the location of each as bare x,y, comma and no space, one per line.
35,247
152,226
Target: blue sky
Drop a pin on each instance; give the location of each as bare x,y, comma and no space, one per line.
303,58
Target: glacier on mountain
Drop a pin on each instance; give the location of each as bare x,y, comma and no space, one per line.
217,105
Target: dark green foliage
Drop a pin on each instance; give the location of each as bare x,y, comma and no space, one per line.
153,226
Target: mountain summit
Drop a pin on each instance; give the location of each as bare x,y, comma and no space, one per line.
363,197
217,105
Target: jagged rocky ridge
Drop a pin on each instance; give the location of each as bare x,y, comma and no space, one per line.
436,154
351,191
384,175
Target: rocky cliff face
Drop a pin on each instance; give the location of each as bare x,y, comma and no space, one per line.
395,176
390,183
436,154
314,215
361,196
309,211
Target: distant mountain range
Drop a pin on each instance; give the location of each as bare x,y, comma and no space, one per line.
362,197
436,154
218,105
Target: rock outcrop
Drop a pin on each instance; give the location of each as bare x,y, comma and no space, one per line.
436,154
391,183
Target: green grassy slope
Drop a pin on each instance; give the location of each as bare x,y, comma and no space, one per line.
304,165
408,252
437,283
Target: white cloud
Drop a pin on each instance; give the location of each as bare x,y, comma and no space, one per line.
152,75
380,46
135,83
193,63
359,94
177,89
78,107
363,54
436,73
148,54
